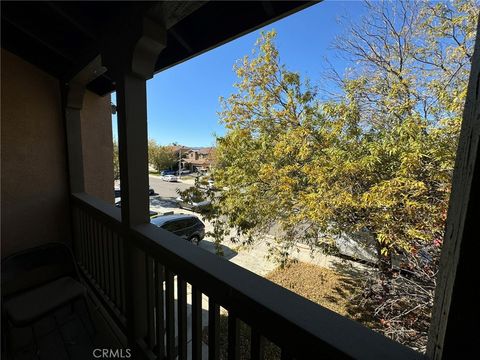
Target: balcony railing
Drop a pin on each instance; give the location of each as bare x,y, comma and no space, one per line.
299,327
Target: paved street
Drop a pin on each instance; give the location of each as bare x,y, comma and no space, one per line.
167,190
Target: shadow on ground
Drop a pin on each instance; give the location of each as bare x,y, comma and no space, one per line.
353,284
164,202
208,245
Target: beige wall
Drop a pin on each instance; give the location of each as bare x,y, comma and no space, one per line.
34,179
34,173
97,146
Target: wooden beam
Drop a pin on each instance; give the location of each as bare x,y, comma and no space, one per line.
454,325
39,40
72,20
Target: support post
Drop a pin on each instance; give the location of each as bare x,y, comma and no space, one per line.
73,108
130,55
453,329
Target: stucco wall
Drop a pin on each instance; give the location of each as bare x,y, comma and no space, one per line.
34,172
97,146
34,179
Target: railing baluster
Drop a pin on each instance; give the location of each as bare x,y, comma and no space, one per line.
182,318
85,240
233,337
196,324
150,301
118,291
257,346
101,244
100,257
82,237
111,280
170,310
159,310
95,251
75,247
90,245
121,269
104,260
213,330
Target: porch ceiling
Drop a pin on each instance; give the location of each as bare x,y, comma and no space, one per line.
63,37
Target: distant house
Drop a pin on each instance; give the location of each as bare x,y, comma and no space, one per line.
179,149
200,159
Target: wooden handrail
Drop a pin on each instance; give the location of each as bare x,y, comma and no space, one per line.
300,327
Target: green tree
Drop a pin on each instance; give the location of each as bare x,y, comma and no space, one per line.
375,159
116,162
379,159
161,157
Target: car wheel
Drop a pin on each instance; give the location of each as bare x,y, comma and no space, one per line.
194,240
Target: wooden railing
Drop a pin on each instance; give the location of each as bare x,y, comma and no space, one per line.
299,327
99,251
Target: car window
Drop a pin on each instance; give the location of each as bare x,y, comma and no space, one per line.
184,223
175,225
170,226
191,222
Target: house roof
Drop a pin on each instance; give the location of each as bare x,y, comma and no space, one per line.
203,150
63,37
176,148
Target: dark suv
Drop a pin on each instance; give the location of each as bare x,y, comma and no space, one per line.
189,227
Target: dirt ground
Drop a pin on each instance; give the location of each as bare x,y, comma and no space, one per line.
320,285
335,291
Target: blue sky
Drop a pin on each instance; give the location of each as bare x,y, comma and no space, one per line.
183,101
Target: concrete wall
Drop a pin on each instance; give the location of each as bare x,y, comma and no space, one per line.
34,173
34,179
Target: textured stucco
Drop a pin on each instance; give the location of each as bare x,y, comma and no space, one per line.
34,172
97,146
34,178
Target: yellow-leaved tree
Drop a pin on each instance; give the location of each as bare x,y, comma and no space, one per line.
377,159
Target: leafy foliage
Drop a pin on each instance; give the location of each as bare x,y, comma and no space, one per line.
375,158
161,157
116,161
378,159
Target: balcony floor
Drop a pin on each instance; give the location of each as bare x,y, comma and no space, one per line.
65,334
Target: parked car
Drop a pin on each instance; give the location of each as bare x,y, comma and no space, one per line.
194,204
189,227
167,172
169,178
118,203
183,172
